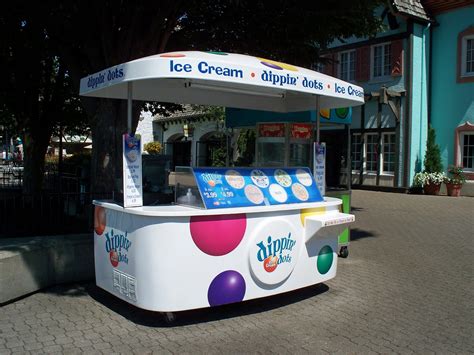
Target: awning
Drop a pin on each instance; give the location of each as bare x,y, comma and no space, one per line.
222,79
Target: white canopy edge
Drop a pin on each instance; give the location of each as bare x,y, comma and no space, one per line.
223,79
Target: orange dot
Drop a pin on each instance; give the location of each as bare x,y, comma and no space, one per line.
172,55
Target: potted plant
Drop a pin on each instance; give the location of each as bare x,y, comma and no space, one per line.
455,181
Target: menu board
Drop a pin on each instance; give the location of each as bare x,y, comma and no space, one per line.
132,171
245,187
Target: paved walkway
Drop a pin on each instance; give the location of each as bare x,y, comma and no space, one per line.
406,287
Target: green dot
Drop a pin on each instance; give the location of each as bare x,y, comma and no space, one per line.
218,53
325,258
342,112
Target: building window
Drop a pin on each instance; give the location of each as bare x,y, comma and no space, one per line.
347,65
381,60
356,150
465,62
468,56
388,153
467,150
371,152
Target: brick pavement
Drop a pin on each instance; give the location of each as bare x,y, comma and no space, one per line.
407,287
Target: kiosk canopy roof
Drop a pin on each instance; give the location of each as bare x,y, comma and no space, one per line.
223,79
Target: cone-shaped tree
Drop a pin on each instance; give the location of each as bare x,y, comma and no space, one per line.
433,156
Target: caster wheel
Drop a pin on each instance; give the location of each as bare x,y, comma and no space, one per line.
344,252
169,317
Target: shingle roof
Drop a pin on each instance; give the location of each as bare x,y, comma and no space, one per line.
188,113
412,8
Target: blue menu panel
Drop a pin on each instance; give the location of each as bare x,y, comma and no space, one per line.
243,187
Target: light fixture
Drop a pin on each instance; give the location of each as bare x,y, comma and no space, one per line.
233,90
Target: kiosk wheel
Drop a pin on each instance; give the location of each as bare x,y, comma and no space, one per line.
344,252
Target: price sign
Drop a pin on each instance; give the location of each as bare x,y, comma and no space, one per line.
242,187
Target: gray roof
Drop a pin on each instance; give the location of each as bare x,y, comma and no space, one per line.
188,113
412,8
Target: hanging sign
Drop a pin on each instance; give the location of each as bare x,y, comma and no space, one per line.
319,166
271,130
132,171
301,130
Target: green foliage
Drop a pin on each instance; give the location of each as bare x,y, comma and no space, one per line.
432,160
456,175
153,148
246,147
218,156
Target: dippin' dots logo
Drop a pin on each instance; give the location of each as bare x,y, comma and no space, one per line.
212,179
275,252
117,245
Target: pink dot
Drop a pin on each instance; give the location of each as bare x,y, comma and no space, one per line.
218,235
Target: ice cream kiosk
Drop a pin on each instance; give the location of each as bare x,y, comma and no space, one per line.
232,234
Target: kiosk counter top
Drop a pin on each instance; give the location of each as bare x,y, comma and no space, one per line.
185,211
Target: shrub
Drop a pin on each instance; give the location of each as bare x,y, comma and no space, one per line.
433,156
153,148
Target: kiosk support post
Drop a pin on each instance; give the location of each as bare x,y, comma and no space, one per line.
129,106
317,119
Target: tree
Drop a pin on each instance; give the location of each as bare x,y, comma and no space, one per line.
35,88
92,35
433,155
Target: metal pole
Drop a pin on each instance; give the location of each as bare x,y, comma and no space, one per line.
317,119
349,158
129,106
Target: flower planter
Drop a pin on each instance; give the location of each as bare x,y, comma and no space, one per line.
453,189
431,189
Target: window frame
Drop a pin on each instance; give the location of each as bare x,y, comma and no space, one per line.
366,161
347,65
462,134
464,40
384,76
463,37
361,153
459,133
383,171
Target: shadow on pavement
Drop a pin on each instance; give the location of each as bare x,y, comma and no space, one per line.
357,234
157,319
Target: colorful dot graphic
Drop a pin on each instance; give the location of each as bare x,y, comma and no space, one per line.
172,55
218,53
325,113
227,287
99,220
325,259
277,65
311,212
342,112
218,235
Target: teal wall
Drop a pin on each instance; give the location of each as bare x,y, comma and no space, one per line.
452,103
419,94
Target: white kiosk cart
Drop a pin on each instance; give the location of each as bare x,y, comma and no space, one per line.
233,234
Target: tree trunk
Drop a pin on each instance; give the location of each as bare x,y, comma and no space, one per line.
35,145
108,125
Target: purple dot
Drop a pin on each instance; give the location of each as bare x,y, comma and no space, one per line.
227,287
271,65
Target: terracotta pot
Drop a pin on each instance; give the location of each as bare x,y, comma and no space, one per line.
431,189
453,189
